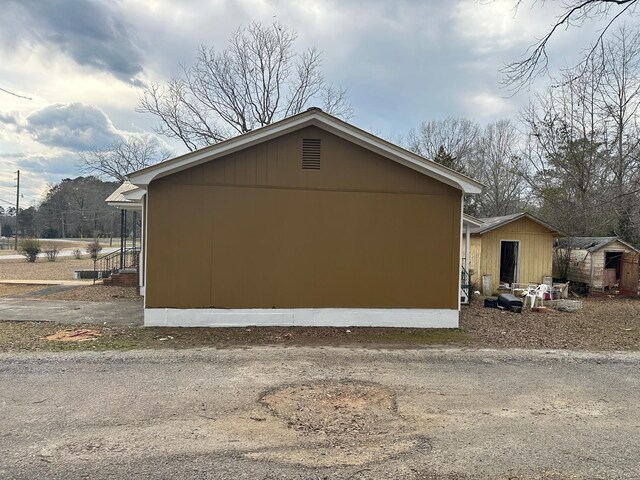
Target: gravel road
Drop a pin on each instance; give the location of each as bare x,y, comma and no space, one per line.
448,414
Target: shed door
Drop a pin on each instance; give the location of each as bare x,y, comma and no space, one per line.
629,274
509,261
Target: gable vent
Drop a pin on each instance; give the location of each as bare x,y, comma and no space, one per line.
311,153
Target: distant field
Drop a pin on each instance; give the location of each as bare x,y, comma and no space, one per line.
61,269
6,245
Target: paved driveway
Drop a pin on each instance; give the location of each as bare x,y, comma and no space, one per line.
67,311
232,414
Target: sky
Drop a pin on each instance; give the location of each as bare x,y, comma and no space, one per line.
83,63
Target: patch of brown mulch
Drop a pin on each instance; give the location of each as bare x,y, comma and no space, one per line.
602,324
96,293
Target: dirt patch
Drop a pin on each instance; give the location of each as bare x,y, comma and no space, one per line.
334,408
336,423
81,335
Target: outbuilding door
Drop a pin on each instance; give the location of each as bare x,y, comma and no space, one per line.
509,261
629,274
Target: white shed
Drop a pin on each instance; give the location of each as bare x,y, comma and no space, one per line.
597,263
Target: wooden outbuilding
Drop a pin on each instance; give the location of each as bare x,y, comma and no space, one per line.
307,221
597,264
511,249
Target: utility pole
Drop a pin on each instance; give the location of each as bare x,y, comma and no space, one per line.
17,208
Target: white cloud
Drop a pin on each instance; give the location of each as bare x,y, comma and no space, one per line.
402,62
497,25
488,106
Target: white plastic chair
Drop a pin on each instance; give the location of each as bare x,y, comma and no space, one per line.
538,292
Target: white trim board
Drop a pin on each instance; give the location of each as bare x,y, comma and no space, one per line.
315,117
305,317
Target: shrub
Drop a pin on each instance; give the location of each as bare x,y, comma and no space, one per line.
51,251
77,254
30,248
94,248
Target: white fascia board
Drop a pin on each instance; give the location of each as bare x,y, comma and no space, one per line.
307,317
343,130
473,221
135,195
403,157
126,205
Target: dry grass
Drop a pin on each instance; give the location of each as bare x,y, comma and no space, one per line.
75,243
11,290
96,293
61,269
602,324
30,336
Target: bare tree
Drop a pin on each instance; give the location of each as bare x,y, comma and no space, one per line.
123,157
575,14
620,102
566,156
496,163
257,79
455,137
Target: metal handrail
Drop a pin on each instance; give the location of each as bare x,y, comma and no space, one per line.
118,260
465,282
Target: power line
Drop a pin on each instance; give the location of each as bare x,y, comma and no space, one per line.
15,94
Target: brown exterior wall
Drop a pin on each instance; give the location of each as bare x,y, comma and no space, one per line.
254,230
535,255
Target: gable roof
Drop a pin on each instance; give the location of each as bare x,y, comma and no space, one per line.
471,221
125,196
491,223
591,244
311,117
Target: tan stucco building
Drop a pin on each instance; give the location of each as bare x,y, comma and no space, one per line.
308,221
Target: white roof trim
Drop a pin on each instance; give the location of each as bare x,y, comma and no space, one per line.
315,117
617,239
126,196
135,195
126,205
468,219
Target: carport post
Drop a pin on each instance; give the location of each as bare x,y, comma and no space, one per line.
122,227
467,254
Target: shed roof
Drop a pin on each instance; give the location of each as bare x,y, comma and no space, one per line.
318,118
491,223
590,244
